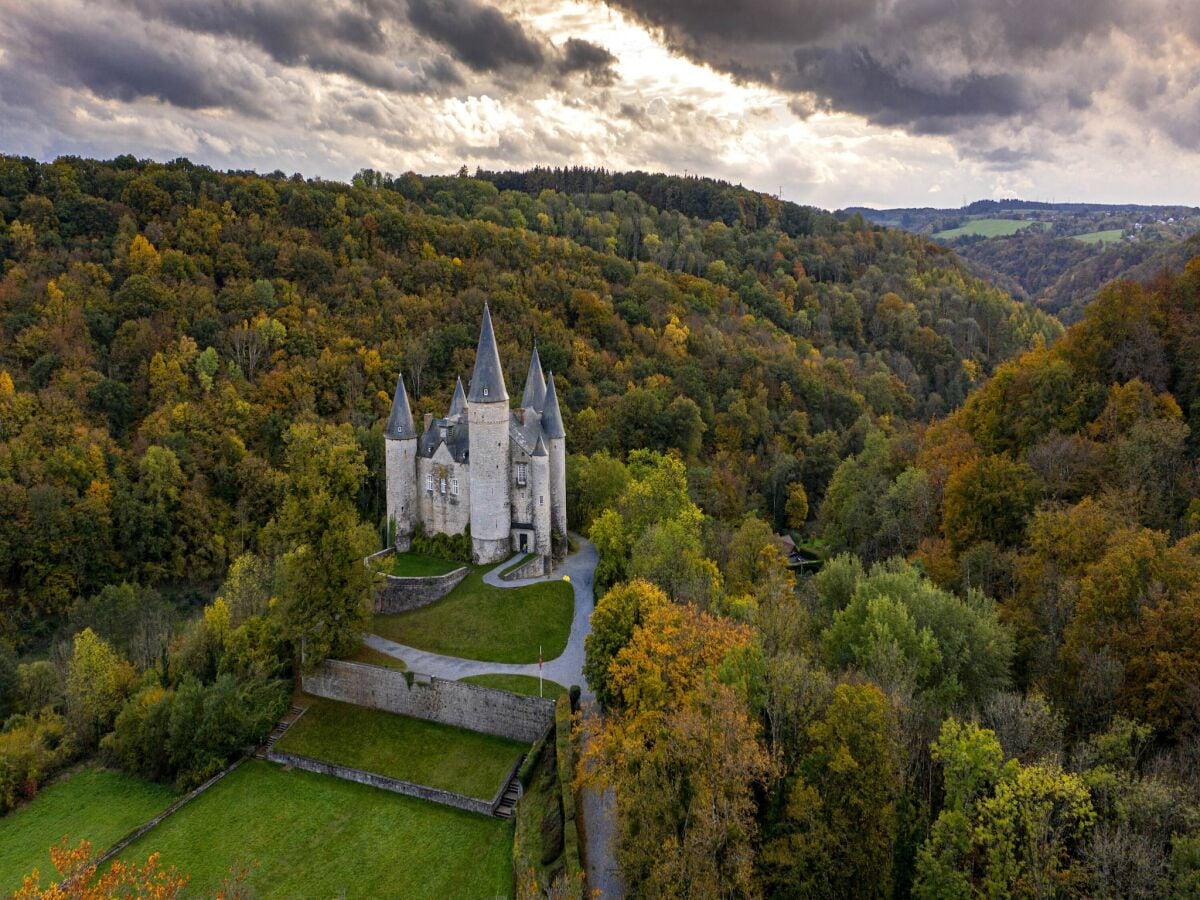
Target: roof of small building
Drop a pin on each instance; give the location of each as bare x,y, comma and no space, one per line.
487,381
457,440
540,449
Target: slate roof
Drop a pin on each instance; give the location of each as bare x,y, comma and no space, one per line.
535,384
552,423
458,405
457,440
487,381
400,422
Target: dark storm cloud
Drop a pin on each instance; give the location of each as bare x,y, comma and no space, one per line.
594,61
480,36
126,64
929,66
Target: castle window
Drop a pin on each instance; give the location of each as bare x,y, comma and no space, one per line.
445,431
485,392
444,485
522,474
429,481
454,486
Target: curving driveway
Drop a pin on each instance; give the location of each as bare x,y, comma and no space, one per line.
566,669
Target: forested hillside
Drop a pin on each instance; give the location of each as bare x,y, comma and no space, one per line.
163,326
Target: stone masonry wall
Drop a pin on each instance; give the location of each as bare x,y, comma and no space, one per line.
435,699
395,785
534,567
402,594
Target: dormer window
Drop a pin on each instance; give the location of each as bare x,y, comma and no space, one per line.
445,431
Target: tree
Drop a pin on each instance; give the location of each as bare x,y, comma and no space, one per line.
797,505
97,682
80,878
1007,829
324,585
989,499
840,822
618,613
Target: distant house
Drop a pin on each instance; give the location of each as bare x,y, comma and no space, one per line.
790,551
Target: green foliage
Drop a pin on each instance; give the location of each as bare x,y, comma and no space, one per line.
904,630
989,500
31,749
453,547
97,681
324,585
840,819
188,734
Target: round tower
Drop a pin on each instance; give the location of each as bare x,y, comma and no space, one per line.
542,499
488,415
552,427
400,470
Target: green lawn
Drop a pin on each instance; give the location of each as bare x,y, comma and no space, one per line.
986,228
1111,236
441,756
409,565
314,836
373,657
93,804
477,621
517,684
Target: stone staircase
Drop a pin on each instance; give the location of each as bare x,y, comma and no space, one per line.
512,793
280,729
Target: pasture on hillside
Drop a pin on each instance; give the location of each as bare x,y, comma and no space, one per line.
1109,236
97,805
986,228
306,835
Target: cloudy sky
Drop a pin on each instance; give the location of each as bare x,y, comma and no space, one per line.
832,102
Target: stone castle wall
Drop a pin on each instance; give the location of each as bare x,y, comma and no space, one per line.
435,699
399,595
440,513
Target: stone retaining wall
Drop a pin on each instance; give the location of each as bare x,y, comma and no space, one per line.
435,699
398,594
535,567
383,782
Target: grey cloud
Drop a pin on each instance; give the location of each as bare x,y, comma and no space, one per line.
480,36
928,66
594,61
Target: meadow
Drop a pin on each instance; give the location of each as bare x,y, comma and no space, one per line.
985,228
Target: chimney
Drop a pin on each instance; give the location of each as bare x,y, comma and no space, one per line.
428,420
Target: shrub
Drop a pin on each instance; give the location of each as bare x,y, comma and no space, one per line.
30,750
454,547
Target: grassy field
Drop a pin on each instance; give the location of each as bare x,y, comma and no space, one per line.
986,228
373,657
411,565
477,621
440,756
517,684
306,835
1111,236
93,804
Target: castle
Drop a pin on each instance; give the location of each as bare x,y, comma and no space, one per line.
501,471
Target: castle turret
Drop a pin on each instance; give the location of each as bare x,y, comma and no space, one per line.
542,499
458,404
552,427
400,468
535,384
488,415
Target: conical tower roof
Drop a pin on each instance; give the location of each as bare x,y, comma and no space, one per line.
400,422
458,405
535,384
540,449
487,382
552,423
